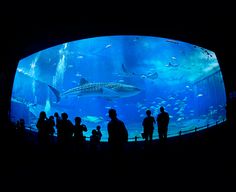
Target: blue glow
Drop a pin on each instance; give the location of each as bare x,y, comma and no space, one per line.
128,73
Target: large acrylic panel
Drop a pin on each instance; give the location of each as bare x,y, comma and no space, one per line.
129,73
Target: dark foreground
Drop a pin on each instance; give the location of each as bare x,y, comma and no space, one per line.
203,161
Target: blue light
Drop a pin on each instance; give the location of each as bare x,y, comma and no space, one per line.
129,73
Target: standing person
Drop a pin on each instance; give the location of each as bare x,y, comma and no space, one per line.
94,141
66,128
57,118
117,133
20,130
148,126
51,125
59,131
99,133
43,130
162,124
79,129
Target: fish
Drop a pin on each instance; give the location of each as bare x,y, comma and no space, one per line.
172,41
170,64
149,75
92,119
108,90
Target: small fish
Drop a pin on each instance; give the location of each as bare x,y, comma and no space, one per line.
107,46
142,76
172,64
172,41
200,95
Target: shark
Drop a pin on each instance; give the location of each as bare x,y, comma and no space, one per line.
108,90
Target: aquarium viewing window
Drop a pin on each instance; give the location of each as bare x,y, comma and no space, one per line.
130,73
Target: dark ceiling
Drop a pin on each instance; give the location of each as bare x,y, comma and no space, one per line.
31,27
26,29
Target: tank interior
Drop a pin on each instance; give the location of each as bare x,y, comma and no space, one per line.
130,73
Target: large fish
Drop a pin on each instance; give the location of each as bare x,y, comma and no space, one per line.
108,90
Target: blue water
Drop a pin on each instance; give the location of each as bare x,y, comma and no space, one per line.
128,73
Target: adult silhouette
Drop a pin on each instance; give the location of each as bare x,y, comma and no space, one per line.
79,129
117,133
162,124
148,126
58,128
66,129
51,125
99,133
43,129
20,130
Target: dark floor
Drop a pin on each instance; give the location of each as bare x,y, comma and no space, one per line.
202,161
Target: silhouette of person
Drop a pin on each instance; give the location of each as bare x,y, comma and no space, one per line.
65,128
57,117
117,133
51,125
79,129
148,126
20,130
99,133
59,130
43,130
162,124
94,141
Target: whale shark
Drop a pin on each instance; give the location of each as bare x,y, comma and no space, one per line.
108,90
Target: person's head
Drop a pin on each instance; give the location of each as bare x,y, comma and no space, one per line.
78,120
64,116
162,109
98,127
94,132
56,114
51,117
148,112
22,122
112,113
42,115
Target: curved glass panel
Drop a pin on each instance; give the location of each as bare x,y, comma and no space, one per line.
129,73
